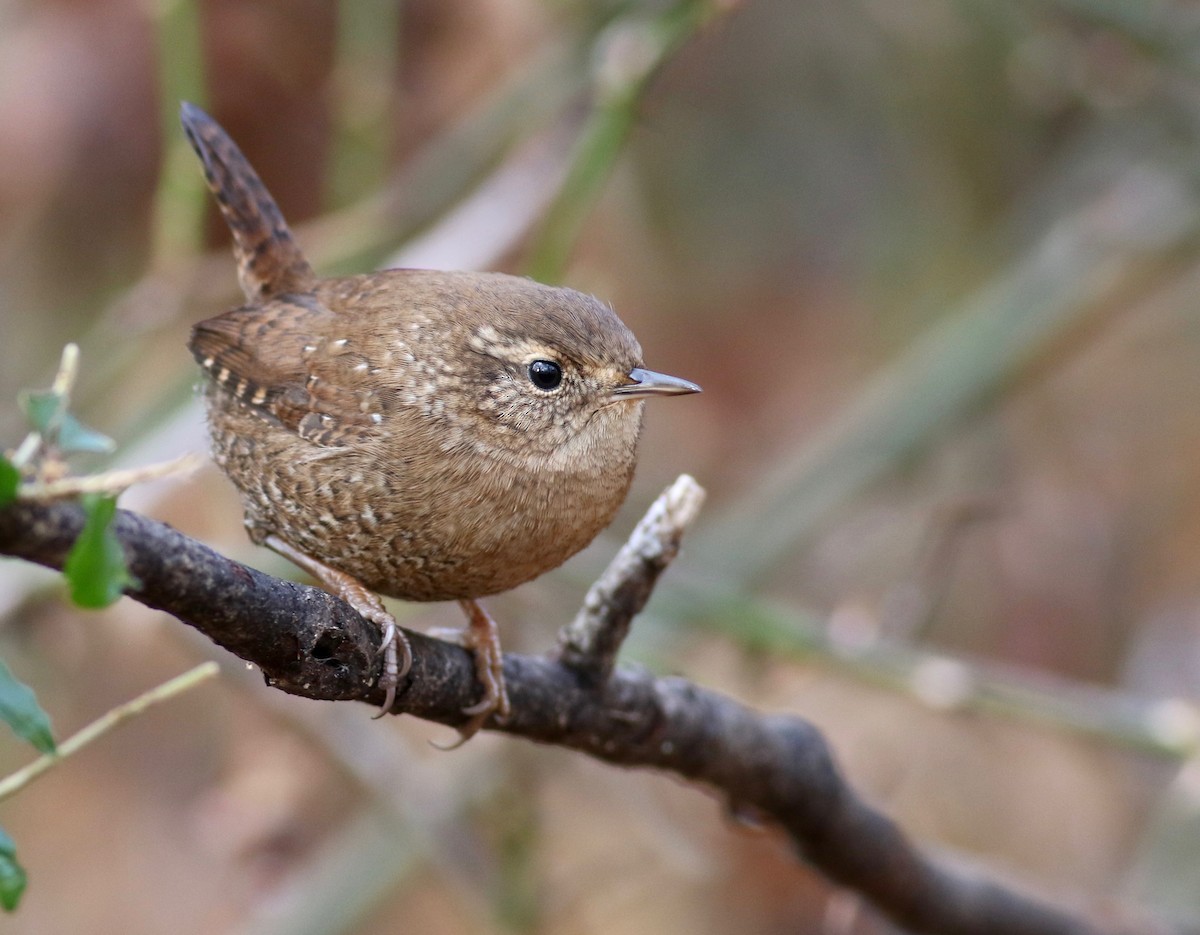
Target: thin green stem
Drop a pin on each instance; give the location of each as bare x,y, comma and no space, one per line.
179,203
628,55
364,78
13,783
1159,727
957,366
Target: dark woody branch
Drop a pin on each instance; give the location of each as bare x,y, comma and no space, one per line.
774,767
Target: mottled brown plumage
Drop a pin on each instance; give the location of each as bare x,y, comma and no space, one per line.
420,434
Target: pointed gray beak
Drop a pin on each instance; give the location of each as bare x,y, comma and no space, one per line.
649,383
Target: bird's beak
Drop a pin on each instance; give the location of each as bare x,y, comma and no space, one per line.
649,383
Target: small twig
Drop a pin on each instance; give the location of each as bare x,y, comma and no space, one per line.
589,644
109,481
26,450
13,783
68,372
64,383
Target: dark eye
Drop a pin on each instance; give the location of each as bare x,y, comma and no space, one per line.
545,374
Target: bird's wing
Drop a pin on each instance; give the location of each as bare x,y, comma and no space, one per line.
285,361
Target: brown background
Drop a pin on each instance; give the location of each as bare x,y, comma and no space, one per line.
821,211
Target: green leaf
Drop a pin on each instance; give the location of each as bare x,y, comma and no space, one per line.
47,414
43,409
20,710
74,436
95,567
10,480
12,874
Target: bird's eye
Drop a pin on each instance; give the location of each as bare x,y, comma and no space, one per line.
545,374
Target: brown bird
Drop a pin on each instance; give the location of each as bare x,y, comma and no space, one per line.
420,434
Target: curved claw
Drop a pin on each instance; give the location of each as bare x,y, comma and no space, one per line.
480,712
393,636
389,699
395,647
484,642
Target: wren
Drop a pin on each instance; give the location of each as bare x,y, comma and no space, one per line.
418,434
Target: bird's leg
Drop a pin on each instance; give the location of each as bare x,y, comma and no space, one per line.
483,639
397,654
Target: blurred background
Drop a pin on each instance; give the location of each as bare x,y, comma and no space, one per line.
935,264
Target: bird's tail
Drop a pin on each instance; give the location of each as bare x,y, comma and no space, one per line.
269,261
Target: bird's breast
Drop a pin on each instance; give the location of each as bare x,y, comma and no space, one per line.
412,519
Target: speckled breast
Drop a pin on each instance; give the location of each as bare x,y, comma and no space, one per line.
420,529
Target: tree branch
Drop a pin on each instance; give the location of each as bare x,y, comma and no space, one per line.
776,767
589,644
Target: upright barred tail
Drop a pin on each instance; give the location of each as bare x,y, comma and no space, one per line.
269,261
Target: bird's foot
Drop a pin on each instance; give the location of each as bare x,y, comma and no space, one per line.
394,646
483,639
